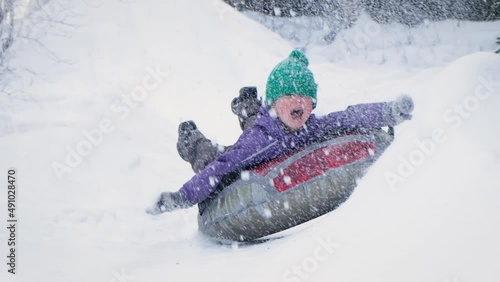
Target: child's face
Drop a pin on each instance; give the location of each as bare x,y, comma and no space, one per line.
293,110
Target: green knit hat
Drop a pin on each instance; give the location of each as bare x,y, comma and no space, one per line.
291,76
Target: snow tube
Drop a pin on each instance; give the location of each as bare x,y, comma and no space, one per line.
290,190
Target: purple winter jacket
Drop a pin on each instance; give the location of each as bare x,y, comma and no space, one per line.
268,138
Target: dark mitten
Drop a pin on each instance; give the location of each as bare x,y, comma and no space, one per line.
399,110
246,106
169,201
188,134
195,148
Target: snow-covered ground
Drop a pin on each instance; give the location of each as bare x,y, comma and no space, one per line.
90,124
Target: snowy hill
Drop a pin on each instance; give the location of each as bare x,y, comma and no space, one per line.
91,125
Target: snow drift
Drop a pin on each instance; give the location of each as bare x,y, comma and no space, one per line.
106,110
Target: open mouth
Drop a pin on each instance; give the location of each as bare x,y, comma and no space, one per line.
297,113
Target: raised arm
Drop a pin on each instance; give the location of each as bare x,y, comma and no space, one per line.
374,115
253,147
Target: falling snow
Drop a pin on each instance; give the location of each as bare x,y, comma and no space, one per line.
245,175
286,205
267,213
68,87
212,181
287,179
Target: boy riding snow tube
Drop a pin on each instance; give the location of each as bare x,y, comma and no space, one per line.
284,127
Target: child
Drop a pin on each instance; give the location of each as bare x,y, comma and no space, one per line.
284,124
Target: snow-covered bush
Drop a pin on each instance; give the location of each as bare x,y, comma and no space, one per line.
26,24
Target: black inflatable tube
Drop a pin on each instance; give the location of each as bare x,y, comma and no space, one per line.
274,197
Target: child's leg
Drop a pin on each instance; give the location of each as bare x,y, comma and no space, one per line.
195,148
199,151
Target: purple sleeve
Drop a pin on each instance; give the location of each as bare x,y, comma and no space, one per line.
253,147
357,116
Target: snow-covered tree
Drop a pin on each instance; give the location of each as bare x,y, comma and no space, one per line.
408,12
6,26
493,9
412,12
